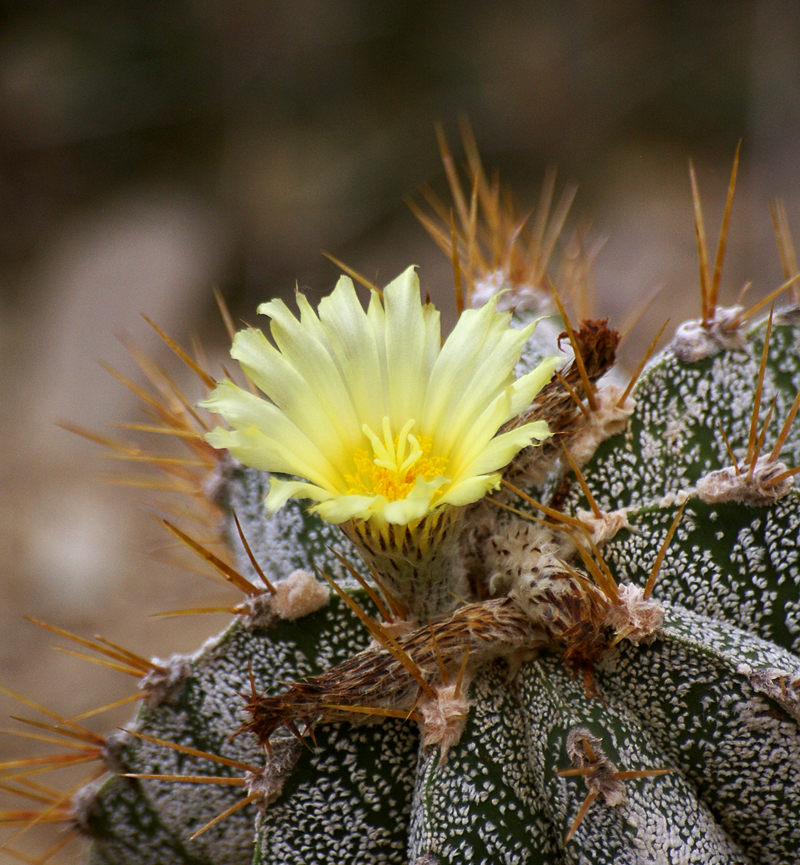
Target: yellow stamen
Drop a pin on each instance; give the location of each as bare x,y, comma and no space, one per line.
394,465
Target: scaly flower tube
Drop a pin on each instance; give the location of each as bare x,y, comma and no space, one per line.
383,421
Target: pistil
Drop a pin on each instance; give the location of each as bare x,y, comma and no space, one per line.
395,463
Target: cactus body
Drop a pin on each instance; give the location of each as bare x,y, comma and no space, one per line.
713,697
585,703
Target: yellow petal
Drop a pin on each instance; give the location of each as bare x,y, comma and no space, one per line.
287,388
312,360
499,452
471,490
353,343
344,508
259,424
281,491
412,346
527,386
475,365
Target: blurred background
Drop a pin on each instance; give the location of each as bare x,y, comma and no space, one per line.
150,151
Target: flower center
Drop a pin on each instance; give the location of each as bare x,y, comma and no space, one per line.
394,465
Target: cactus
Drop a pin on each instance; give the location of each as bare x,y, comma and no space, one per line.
581,645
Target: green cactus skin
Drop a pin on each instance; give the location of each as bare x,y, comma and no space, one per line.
715,697
760,593
285,652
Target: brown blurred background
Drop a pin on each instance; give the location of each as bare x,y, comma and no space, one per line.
151,150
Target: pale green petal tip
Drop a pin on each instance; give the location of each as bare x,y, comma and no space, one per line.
271,307
248,343
344,283
472,490
340,509
219,398
531,328
210,402
527,386
536,430
405,283
527,435
219,437
281,491
542,372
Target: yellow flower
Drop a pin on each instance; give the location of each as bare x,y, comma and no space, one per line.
382,421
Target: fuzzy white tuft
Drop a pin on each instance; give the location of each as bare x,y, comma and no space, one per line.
693,342
602,778
300,594
608,420
726,485
443,718
606,526
635,618
162,684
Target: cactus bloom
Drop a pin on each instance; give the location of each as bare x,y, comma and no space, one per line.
383,421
